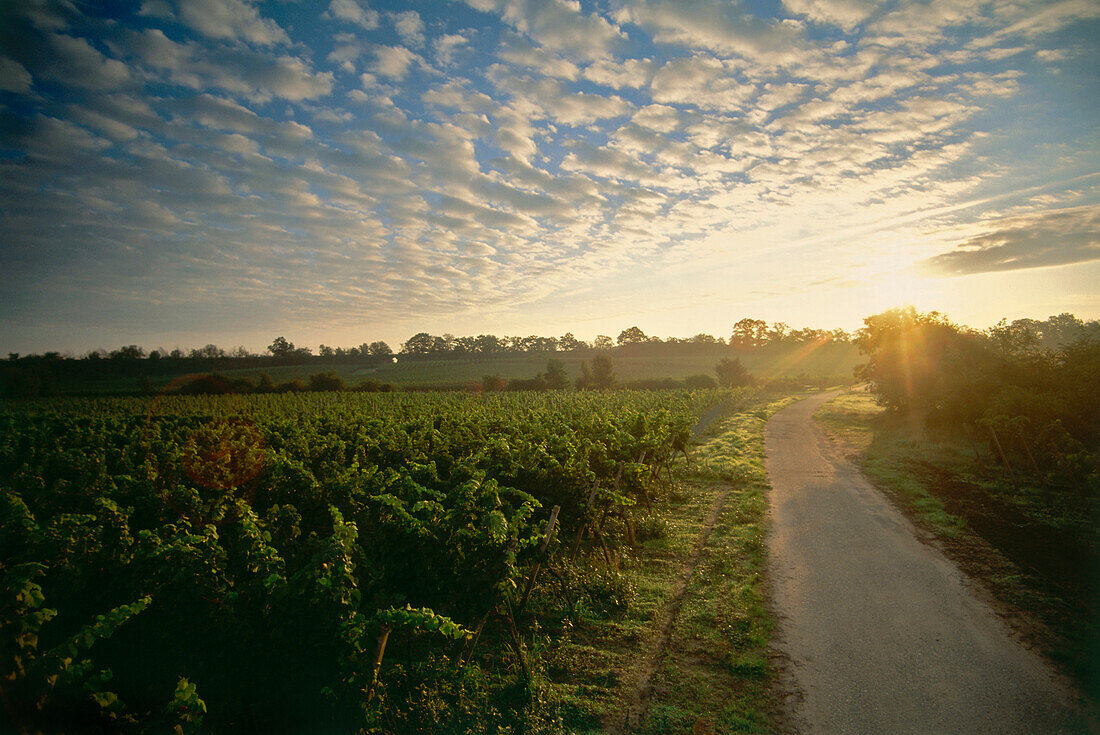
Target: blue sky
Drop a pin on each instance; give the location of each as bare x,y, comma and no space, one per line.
177,173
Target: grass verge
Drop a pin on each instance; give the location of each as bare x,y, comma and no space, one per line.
689,651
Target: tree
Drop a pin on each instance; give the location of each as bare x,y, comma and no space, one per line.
568,343
701,381
599,376
326,351
129,352
906,350
602,342
748,334
632,336
420,343
705,339
379,349
731,373
281,347
487,344
208,352
555,376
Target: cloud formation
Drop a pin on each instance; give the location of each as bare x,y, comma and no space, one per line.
336,163
1038,240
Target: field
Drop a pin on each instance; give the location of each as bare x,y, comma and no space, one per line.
381,562
828,360
834,361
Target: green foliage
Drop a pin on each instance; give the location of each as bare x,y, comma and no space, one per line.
254,546
1036,411
731,373
597,374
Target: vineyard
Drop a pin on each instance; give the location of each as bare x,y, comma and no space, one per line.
305,562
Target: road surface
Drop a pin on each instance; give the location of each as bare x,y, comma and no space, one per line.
880,632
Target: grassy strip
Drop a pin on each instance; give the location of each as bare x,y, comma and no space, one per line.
984,524
714,672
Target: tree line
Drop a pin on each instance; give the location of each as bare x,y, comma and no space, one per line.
1025,392
53,372
746,334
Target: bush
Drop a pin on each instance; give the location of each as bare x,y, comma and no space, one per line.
700,382
326,382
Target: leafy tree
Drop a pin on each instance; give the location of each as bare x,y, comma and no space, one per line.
129,352
701,381
602,342
905,350
632,336
602,374
749,334
326,351
281,347
568,343
208,352
378,349
487,343
420,343
555,376
731,373
705,339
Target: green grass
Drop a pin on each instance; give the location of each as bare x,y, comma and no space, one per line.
716,673
715,669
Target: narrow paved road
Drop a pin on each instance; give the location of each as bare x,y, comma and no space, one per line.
881,632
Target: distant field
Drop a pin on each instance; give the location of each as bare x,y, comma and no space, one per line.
830,359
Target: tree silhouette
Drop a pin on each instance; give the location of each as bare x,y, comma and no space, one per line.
731,373
281,347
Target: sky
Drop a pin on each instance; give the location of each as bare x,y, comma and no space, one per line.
176,173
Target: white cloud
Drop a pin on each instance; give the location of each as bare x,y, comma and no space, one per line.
619,74
1046,18
703,81
662,118
75,62
393,62
846,14
522,53
230,20
247,73
447,45
716,26
410,27
14,77
353,12
557,24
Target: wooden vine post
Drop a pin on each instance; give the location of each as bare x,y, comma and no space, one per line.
379,652
538,560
